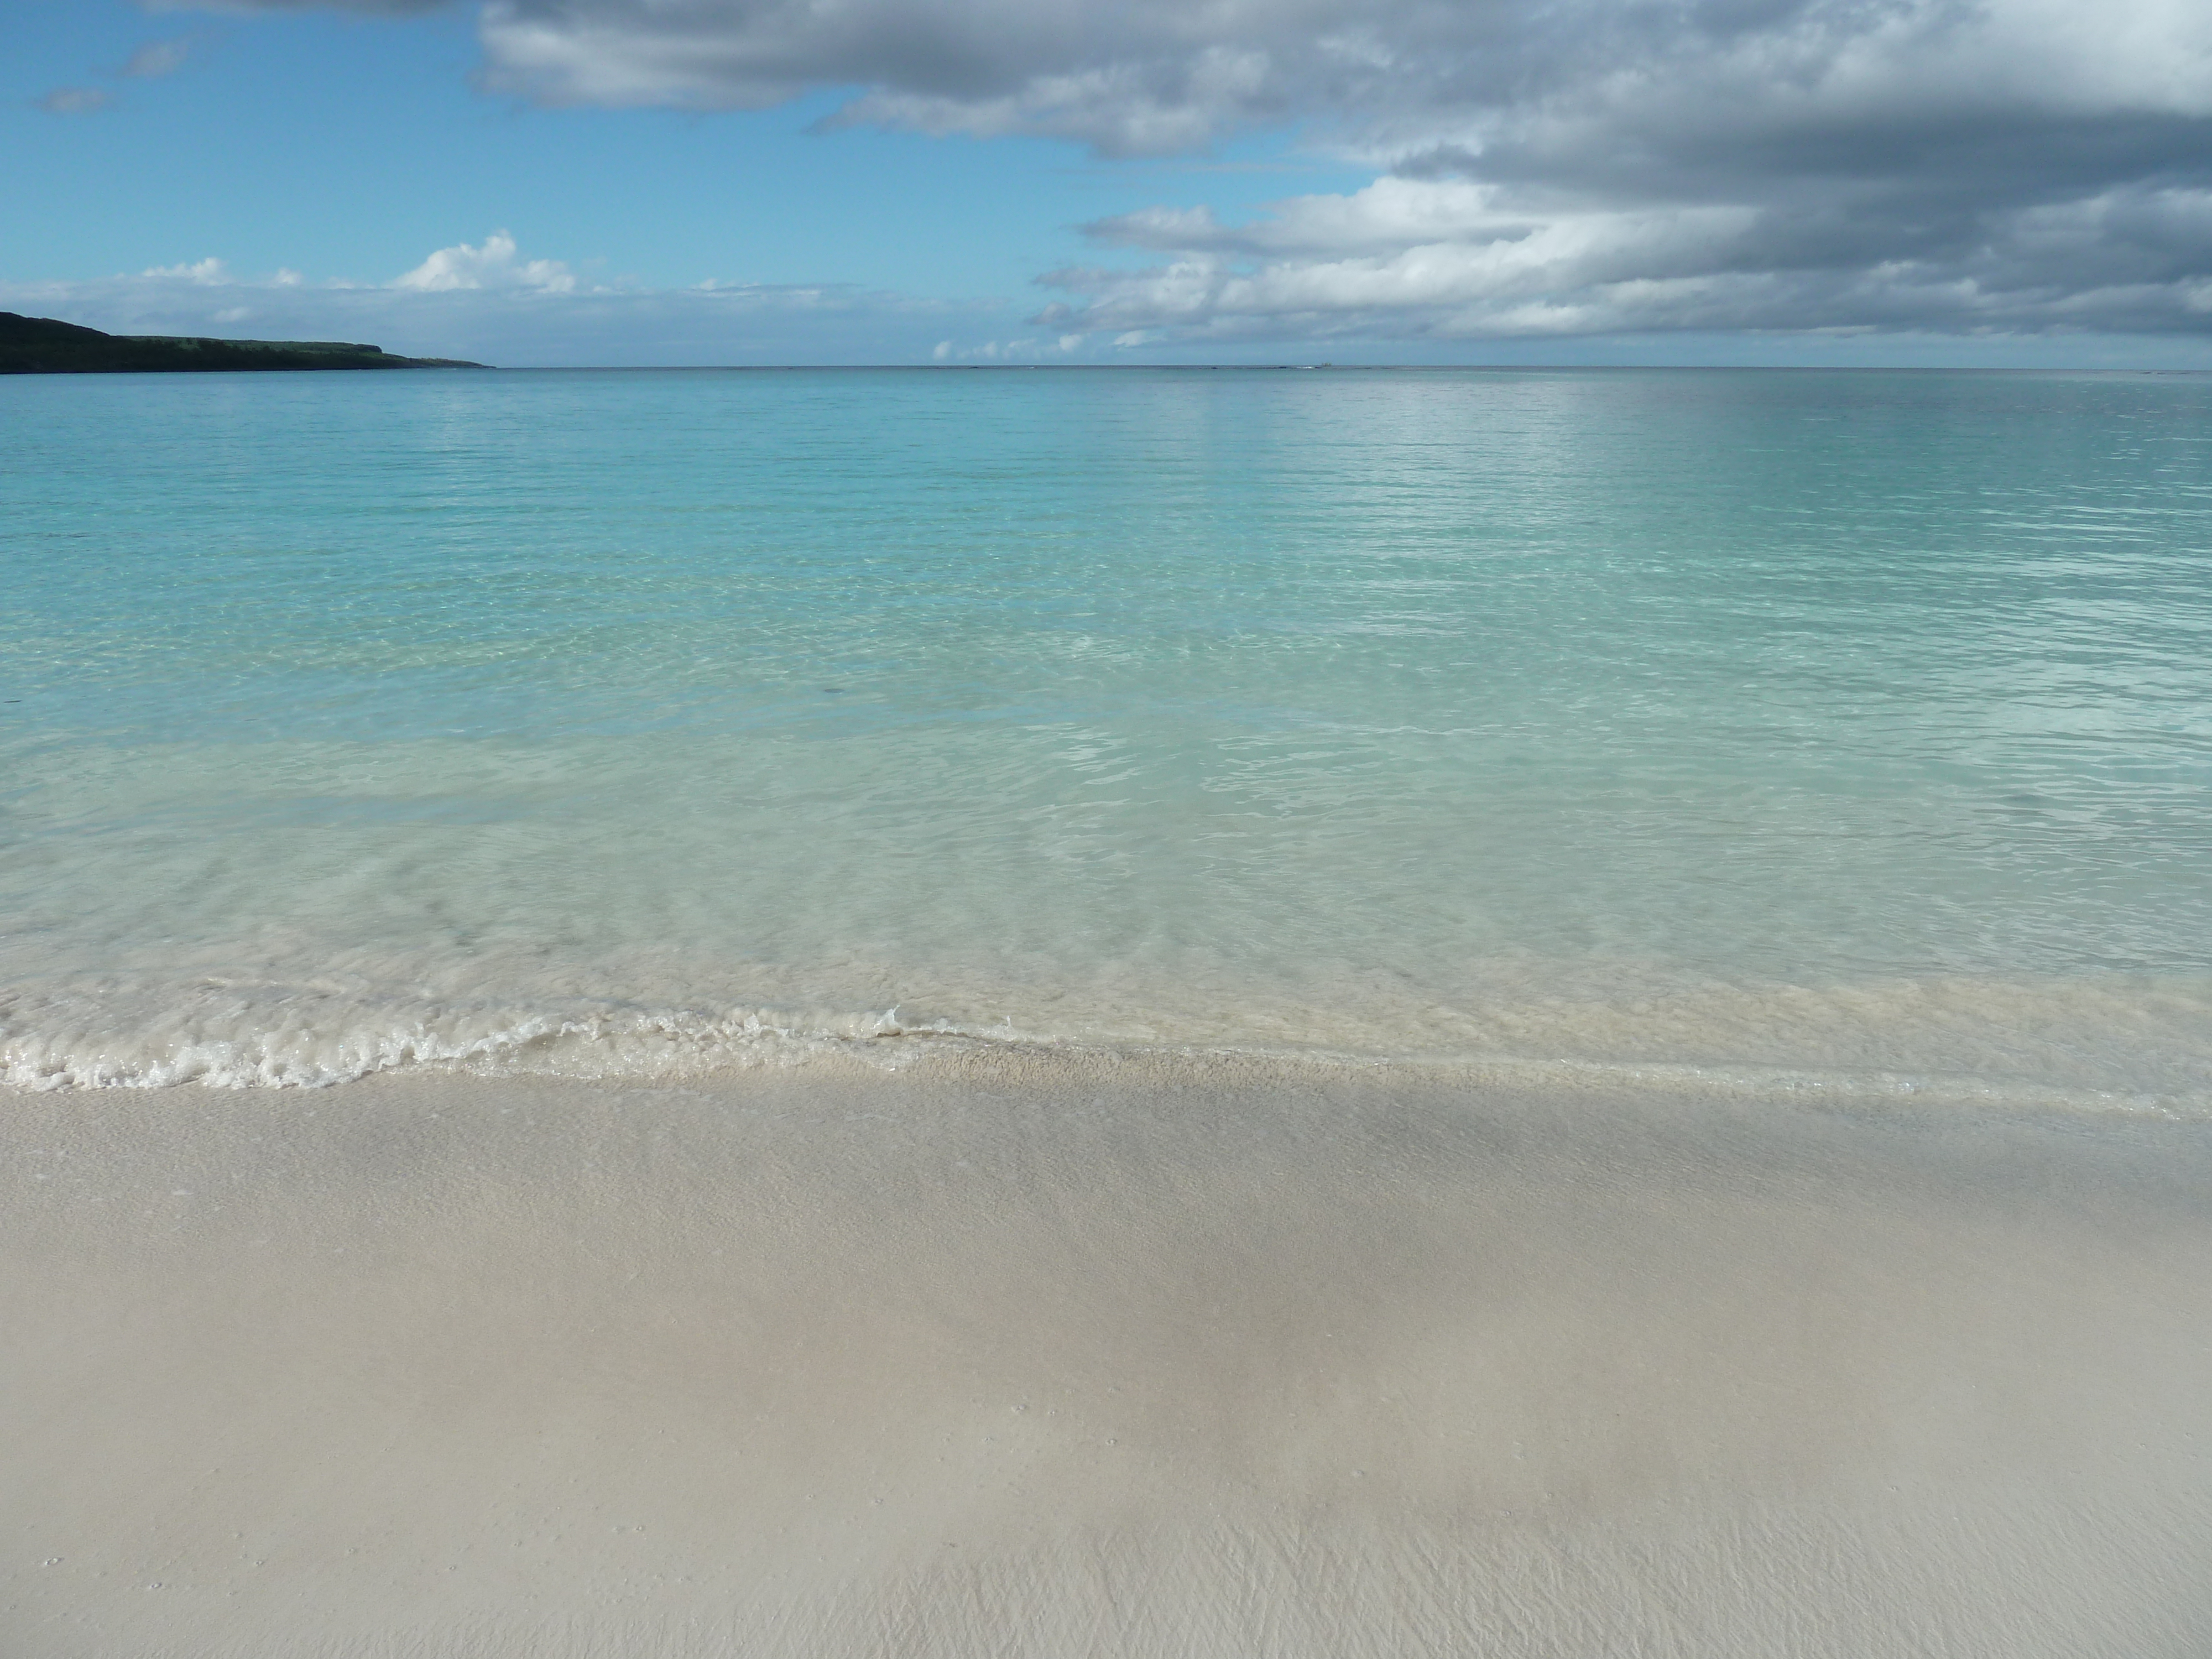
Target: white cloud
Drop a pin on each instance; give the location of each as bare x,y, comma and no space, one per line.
1148,77
1443,260
1539,287
157,57
1547,165
492,263
1020,349
205,272
74,100
488,304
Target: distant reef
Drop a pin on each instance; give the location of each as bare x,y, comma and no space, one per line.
40,345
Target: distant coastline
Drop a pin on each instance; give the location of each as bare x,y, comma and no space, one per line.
42,345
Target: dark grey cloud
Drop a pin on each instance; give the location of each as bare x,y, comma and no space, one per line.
1455,260
1653,93
1545,165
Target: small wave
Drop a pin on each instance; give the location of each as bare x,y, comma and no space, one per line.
2107,1045
226,1036
303,1053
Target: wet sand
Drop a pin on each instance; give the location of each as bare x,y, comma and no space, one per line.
1040,1354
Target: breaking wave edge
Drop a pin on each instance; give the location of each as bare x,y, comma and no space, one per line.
645,1044
300,1051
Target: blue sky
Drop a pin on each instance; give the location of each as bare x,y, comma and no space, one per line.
340,145
961,182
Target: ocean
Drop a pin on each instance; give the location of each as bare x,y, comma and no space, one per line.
1768,731
1170,1014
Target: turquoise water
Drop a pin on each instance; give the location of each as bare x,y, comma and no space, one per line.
1772,727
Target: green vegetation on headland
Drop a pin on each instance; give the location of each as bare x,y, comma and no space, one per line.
40,345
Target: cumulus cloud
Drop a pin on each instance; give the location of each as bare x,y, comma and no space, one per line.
208,272
491,264
1546,165
1450,260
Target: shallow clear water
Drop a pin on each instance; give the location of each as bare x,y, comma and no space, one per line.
1778,725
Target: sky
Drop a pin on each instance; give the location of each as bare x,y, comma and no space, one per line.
1999,183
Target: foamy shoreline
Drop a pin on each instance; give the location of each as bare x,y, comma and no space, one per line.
1012,1351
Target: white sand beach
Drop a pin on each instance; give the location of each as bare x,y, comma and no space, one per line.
1024,1354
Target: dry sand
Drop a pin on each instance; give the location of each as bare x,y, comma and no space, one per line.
1044,1355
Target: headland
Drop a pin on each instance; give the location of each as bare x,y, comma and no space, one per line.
42,345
